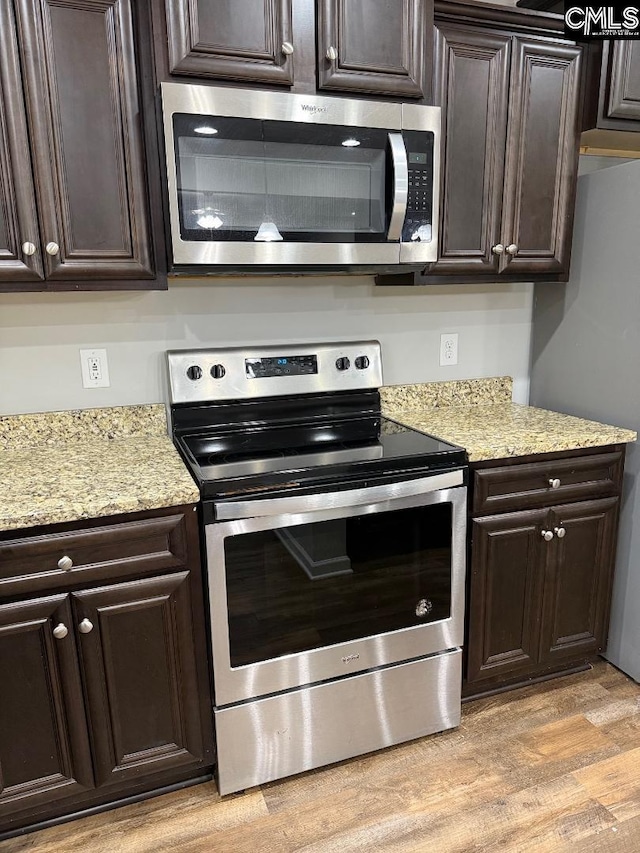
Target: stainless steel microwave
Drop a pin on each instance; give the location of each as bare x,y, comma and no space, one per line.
271,181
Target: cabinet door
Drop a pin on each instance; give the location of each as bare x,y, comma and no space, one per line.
85,128
470,84
542,157
624,87
18,220
44,743
138,660
231,39
377,46
578,584
507,570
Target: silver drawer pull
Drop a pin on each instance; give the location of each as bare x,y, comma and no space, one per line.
52,248
60,631
512,249
29,248
85,627
547,535
560,532
554,483
498,249
65,563
332,53
287,48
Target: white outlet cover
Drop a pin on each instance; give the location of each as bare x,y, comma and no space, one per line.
448,349
95,368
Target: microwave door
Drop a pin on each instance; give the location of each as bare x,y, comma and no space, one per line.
400,178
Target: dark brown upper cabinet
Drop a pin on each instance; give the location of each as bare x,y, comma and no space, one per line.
231,39
612,94
366,47
19,232
472,80
624,92
374,46
541,158
510,130
81,111
509,88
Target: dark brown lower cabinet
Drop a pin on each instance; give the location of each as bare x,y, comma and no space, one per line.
539,590
139,667
104,689
44,740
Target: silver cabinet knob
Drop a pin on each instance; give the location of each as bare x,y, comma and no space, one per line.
60,631
547,535
554,483
512,249
65,563
498,249
287,48
560,532
52,248
332,53
86,626
29,248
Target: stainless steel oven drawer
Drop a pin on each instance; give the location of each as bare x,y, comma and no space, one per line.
285,734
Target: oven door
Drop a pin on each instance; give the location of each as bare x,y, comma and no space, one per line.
301,597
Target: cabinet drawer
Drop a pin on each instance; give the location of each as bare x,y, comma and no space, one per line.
94,554
531,485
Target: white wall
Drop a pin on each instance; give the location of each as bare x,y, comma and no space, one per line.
40,334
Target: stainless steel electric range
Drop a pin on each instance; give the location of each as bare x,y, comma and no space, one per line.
335,556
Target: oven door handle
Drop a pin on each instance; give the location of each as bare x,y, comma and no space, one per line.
400,186
233,510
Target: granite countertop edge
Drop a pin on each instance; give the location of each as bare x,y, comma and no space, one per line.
491,431
62,467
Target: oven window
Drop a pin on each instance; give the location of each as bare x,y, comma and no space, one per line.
244,179
300,588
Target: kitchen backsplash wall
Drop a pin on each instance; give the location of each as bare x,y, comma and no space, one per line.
40,334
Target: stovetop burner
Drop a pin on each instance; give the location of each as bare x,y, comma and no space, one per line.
239,433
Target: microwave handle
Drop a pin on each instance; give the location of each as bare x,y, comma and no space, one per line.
400,186
230,510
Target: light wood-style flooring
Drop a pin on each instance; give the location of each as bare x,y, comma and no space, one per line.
551,767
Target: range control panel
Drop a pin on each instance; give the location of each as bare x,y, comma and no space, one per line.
241,373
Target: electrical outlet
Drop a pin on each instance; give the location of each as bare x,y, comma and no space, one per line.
448,349
95,369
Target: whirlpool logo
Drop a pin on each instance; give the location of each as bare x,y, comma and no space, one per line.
313,108
615,20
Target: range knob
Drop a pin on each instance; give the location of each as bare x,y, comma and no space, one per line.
362,362
194,372
218,371
343,363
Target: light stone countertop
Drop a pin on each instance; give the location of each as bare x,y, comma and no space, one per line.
479,416
66,466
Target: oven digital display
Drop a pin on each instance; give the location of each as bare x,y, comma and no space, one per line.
285,365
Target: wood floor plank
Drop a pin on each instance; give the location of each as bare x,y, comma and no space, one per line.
551,768
615,782
563,740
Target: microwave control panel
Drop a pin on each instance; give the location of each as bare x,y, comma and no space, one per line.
417,223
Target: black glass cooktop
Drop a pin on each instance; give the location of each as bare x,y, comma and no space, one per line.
291,456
